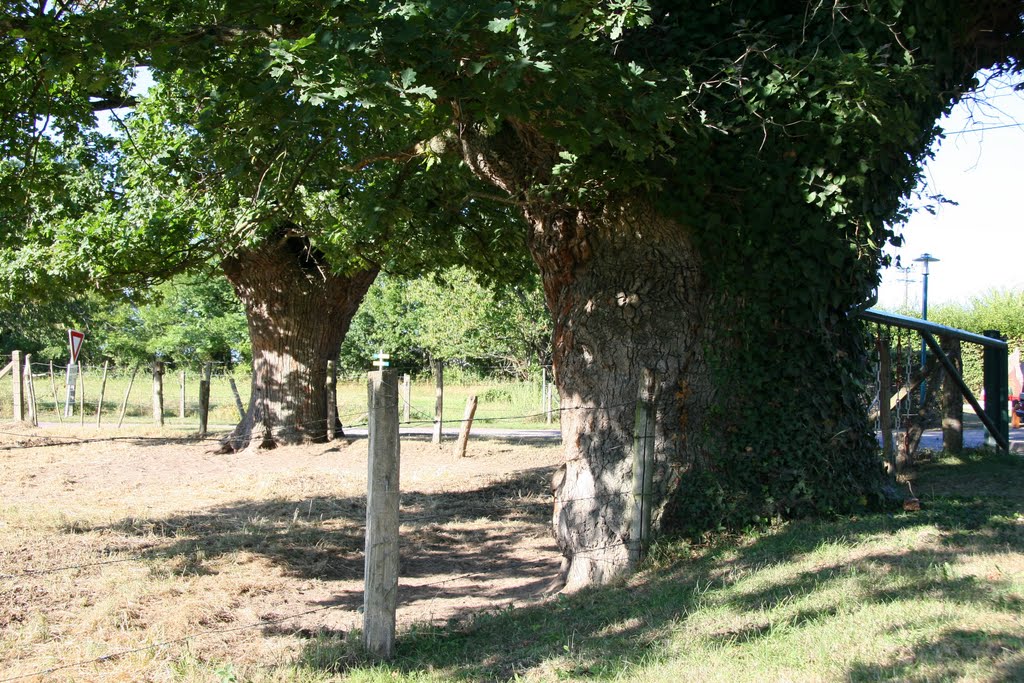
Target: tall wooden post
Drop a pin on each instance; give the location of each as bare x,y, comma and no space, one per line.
438,401
643,469
18,386
380,594
543,389
181,400
30,392
158,393
103,390
467,425
406,397
204,399
952,400
331,397
884,398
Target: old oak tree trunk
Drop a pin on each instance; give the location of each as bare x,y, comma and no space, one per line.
298,312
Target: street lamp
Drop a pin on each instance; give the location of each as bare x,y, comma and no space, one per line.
926,259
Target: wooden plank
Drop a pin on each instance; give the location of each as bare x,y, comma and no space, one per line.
7,368
380,594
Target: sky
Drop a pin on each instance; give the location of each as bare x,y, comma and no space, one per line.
980,241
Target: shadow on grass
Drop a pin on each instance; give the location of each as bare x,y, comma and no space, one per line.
608,632
442,535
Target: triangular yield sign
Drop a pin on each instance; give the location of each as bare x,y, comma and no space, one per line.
75,339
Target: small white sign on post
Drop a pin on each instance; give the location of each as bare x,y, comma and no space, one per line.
75,339
380,360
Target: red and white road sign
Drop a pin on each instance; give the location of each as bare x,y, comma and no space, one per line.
75,339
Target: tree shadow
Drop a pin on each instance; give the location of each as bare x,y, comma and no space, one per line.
602,633
443,535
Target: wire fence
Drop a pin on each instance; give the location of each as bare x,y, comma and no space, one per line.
102,393
541,494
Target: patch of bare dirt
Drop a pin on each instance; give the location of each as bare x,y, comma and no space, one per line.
111,544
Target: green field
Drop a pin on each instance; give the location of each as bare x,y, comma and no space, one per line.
512,405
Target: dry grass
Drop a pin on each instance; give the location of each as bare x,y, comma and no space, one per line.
113,546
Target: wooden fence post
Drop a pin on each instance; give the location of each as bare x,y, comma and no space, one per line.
952,400
643,469
467,424
56,400
547,403
103,390
124,403
204,399
884,396
158,393
543,389
18,386
331,398
181,402
380,594
438,401
81,395
238,397
406,397
30,392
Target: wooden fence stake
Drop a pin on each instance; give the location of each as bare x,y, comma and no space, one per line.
103,390
18,386
467,424
238,398
81,396
181,401
331,398
124,403
884,396
158,393
56,400
643,469
30,389
952,400
204,399
543,389
380,594
438,401
7,368
406,397
547,403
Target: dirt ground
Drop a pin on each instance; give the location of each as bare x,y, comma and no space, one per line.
114,541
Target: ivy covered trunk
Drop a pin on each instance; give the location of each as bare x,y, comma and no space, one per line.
298,314
626,293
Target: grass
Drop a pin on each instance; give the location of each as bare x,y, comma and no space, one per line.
930,595
509,405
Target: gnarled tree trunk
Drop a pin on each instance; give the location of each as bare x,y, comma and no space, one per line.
626,293
298,314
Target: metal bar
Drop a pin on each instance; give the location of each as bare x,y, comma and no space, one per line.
923,326
1001,439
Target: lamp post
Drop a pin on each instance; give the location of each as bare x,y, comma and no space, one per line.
926,259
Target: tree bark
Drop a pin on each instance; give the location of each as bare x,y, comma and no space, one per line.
626,293
298,313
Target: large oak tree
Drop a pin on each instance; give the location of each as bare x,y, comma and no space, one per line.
707,188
